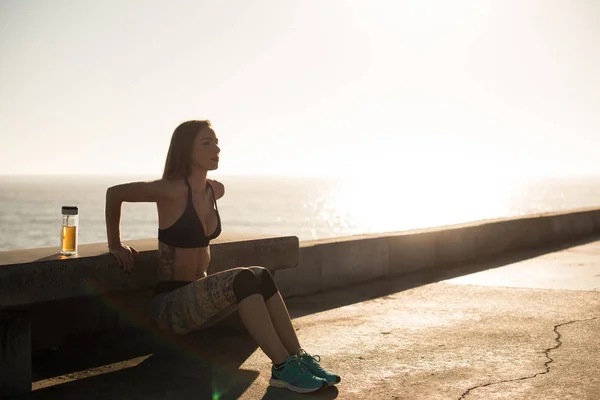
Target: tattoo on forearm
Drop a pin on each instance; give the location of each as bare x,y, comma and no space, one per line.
166,258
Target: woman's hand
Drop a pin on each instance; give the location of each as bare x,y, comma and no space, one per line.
125,256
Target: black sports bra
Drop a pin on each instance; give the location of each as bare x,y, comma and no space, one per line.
187,231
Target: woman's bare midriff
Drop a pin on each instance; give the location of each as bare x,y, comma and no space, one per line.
191,264
181,264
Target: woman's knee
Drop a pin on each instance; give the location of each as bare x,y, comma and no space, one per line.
266,282
245,284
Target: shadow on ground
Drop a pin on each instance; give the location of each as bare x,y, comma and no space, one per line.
204,366
155,368
143,364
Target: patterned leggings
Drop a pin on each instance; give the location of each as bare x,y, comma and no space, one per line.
199,304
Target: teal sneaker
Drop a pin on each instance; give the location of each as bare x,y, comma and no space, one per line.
312,363
295,376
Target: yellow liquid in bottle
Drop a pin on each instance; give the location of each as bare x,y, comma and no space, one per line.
69,239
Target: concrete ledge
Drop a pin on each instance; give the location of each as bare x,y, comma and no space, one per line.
364,260
332,263
33,276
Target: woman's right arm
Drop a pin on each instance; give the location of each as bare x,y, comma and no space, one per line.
149,192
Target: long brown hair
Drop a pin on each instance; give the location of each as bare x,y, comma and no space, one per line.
179,157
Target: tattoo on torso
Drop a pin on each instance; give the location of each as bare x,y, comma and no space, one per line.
166,258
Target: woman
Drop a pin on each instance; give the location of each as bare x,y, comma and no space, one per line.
188,299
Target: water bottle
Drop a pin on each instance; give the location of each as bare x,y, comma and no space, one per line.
68,242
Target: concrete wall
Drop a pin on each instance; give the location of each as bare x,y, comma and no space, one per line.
332,263
38,275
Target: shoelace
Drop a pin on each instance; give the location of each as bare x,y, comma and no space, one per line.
315,360
298,362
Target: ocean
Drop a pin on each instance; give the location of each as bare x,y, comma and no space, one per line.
310,208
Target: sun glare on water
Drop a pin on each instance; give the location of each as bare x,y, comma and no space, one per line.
382,205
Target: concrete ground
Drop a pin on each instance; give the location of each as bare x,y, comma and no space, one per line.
523,327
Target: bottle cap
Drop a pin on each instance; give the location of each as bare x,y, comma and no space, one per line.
70,210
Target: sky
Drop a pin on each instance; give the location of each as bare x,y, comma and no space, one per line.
429,89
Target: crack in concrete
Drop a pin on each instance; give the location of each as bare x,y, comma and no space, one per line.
546,364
